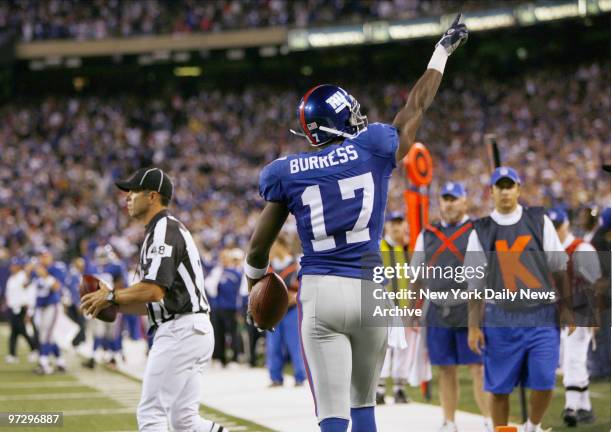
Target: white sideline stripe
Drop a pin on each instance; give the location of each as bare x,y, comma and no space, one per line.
84,412
12,385
69,395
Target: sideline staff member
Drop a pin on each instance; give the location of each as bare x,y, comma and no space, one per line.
444,245
171,291
520,248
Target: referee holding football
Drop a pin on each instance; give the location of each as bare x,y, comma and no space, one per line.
171,293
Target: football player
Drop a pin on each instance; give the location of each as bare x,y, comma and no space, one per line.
48,278
107,336
338,193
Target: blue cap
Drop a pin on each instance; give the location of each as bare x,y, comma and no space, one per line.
505,173
454,189
557,215
605,218
394,216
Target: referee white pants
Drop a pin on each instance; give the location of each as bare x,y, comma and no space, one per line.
172,380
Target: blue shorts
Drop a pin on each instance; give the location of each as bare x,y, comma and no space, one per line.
448,345
519,355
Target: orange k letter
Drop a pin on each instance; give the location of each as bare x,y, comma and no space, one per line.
511,266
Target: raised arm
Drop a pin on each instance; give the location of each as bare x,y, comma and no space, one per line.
408,119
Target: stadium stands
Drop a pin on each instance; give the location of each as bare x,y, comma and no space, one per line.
71,19
65,152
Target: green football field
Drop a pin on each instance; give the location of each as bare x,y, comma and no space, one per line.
103,400
98,400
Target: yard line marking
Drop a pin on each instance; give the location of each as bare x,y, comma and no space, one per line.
58,384
84,412
66,396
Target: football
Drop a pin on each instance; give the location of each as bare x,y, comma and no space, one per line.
268,301
90,284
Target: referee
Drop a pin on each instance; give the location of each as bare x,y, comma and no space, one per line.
171,293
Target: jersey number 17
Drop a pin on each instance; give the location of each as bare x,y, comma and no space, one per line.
360,232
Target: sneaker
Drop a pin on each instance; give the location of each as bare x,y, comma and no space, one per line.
569,417
380,397
112,363
33,356
40,370
83,350
299,383
275,384
10,359
488,424
90,363
585,416
400,396
531,428
448,426
61,369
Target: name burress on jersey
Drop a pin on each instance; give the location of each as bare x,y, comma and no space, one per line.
338,196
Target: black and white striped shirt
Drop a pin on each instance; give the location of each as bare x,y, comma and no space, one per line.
169,258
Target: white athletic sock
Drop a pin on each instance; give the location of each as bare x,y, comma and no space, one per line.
585,400
572,399
44,361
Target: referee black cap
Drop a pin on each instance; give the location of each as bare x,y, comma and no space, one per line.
150,179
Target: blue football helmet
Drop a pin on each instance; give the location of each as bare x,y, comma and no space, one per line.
327,112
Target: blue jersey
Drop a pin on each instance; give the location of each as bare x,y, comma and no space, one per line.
110,273
228,290
338,196
73,280
45,295
59,271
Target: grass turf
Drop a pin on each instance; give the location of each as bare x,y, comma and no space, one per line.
20,389
85,408
600,398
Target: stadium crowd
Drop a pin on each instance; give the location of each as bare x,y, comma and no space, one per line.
65,154
71,19
61,156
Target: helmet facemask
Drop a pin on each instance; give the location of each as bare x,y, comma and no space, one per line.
356,123
357,120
